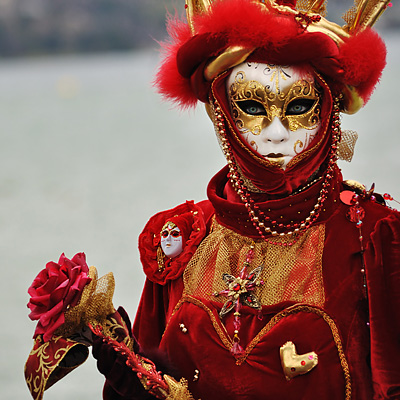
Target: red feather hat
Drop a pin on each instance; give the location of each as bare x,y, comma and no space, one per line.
220,34
223,33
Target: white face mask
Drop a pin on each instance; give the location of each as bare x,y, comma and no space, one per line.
171,240
276,109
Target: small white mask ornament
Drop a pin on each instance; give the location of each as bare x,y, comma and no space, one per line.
276,109
171,240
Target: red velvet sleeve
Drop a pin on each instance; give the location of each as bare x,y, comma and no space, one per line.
121,382
382,258
156,306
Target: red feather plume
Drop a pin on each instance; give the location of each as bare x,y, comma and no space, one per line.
277,38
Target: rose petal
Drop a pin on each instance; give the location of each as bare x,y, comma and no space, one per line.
70,297
54,289
39,300
49,331
80,259
48,315
59,293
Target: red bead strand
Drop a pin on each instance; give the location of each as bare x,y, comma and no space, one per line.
258,217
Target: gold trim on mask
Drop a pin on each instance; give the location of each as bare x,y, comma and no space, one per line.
275,103
298,144
321,134
267,162
168,225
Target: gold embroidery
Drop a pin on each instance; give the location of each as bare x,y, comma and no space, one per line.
178,390
46,363
111,327
291,273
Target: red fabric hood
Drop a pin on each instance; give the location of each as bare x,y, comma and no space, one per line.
271,179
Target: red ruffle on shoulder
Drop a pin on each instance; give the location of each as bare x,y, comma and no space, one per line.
149,242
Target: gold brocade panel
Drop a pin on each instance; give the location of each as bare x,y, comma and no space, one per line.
290,273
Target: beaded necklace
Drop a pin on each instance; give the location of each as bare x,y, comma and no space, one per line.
262,222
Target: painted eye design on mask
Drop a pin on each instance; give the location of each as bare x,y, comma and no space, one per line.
251,107
173,233
299,106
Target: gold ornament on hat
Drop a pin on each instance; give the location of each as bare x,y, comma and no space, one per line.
364,14
195,8
310,14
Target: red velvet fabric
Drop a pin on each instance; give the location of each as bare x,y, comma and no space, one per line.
371,351
383,286
260,376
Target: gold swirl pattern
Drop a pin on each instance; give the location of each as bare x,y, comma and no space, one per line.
275,102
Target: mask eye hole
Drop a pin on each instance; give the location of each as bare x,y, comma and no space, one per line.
251,107
299,106
164,233
175,234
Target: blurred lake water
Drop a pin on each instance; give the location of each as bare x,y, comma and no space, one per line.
89,152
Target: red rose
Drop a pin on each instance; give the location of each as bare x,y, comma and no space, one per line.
54,290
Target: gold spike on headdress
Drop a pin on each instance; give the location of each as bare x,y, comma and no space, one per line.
194,8
364,14
313,6
317,6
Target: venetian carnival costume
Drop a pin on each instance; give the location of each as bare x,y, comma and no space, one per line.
284,283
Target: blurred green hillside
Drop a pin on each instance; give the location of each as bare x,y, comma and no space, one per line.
32,27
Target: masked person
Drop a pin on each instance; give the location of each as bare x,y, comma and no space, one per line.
285,285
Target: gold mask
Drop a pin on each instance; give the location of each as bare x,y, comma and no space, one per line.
254,105
275,108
